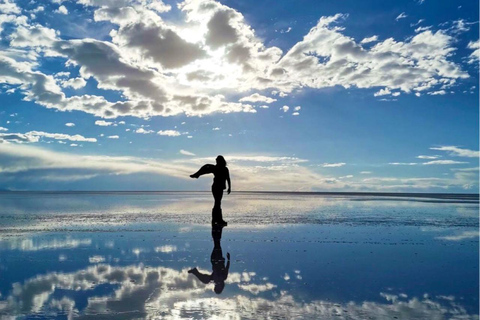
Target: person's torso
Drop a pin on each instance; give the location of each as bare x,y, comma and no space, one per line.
220,177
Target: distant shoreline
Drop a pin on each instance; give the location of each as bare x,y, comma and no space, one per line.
377,194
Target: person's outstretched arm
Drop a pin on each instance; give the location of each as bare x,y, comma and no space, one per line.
229,183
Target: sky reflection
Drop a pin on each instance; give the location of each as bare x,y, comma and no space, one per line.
406,266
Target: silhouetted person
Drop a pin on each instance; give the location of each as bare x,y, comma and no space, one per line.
221,176
219,270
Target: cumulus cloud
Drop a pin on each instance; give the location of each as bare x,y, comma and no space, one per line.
369,39
113,137
285,108
70,124
9,6
169,133
257,98
192,66
103,123
75,83
62,10
143,131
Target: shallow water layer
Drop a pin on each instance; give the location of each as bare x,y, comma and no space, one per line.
128,256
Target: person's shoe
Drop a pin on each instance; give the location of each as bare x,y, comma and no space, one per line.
193,176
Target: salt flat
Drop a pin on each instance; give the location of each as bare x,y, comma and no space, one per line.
304,256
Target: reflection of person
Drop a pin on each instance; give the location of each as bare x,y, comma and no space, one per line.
219,270
221,177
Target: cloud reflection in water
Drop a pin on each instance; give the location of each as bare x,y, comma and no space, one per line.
146,292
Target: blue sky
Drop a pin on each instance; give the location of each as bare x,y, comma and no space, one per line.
297,95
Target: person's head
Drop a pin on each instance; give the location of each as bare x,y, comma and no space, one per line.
221,161
219,287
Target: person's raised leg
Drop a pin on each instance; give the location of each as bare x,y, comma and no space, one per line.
208,168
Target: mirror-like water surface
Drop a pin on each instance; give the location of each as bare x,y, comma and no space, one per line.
282,256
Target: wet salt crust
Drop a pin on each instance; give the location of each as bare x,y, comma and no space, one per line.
127,256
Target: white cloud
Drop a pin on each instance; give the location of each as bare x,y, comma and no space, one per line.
39,9
143,131
403,163
428,157
187,153
62,10
159,6
216,129
369,39
295,114
421,29
297,108
34,136
459,152
70,124
333,165
252,172
9,7
75,83
444,162
285,108
401,16
170,133
162,68
3,129
103,123
365,172
417,23
475,55
437,93
113,137
382,92
257,98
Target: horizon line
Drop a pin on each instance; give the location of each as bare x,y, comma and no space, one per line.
246,191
